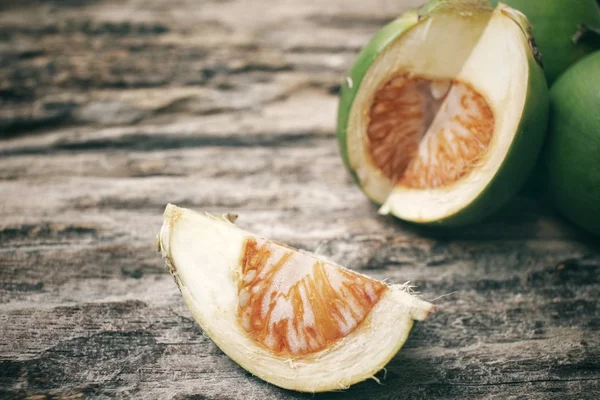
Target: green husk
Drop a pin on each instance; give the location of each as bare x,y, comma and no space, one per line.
572,153
558,26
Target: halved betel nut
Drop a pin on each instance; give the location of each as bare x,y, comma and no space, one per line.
443,114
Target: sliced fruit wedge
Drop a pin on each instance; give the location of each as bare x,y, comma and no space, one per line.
443,114
286,316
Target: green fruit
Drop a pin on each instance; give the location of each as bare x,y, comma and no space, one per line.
572,153
555,24
444,112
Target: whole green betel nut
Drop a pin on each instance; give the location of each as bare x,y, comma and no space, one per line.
572,153
559,28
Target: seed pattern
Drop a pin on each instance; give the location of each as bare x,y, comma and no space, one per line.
428,133
295,304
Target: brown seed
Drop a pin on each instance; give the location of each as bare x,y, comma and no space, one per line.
402,114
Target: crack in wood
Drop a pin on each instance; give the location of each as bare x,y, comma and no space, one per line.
142,142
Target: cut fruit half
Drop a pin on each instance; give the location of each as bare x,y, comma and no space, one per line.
286,316
443,114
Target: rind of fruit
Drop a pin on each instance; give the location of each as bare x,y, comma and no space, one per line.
555,24
208,257
572,152
525,146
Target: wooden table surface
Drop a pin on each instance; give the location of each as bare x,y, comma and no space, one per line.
110,109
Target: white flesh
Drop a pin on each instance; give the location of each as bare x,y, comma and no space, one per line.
203,253
486,50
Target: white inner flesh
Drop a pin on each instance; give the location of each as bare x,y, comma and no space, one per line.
205,253
490,55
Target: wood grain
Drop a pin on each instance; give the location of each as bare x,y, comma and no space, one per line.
110,109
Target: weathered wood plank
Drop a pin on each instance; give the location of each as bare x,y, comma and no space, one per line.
187,44
512,303
274,178
109,110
